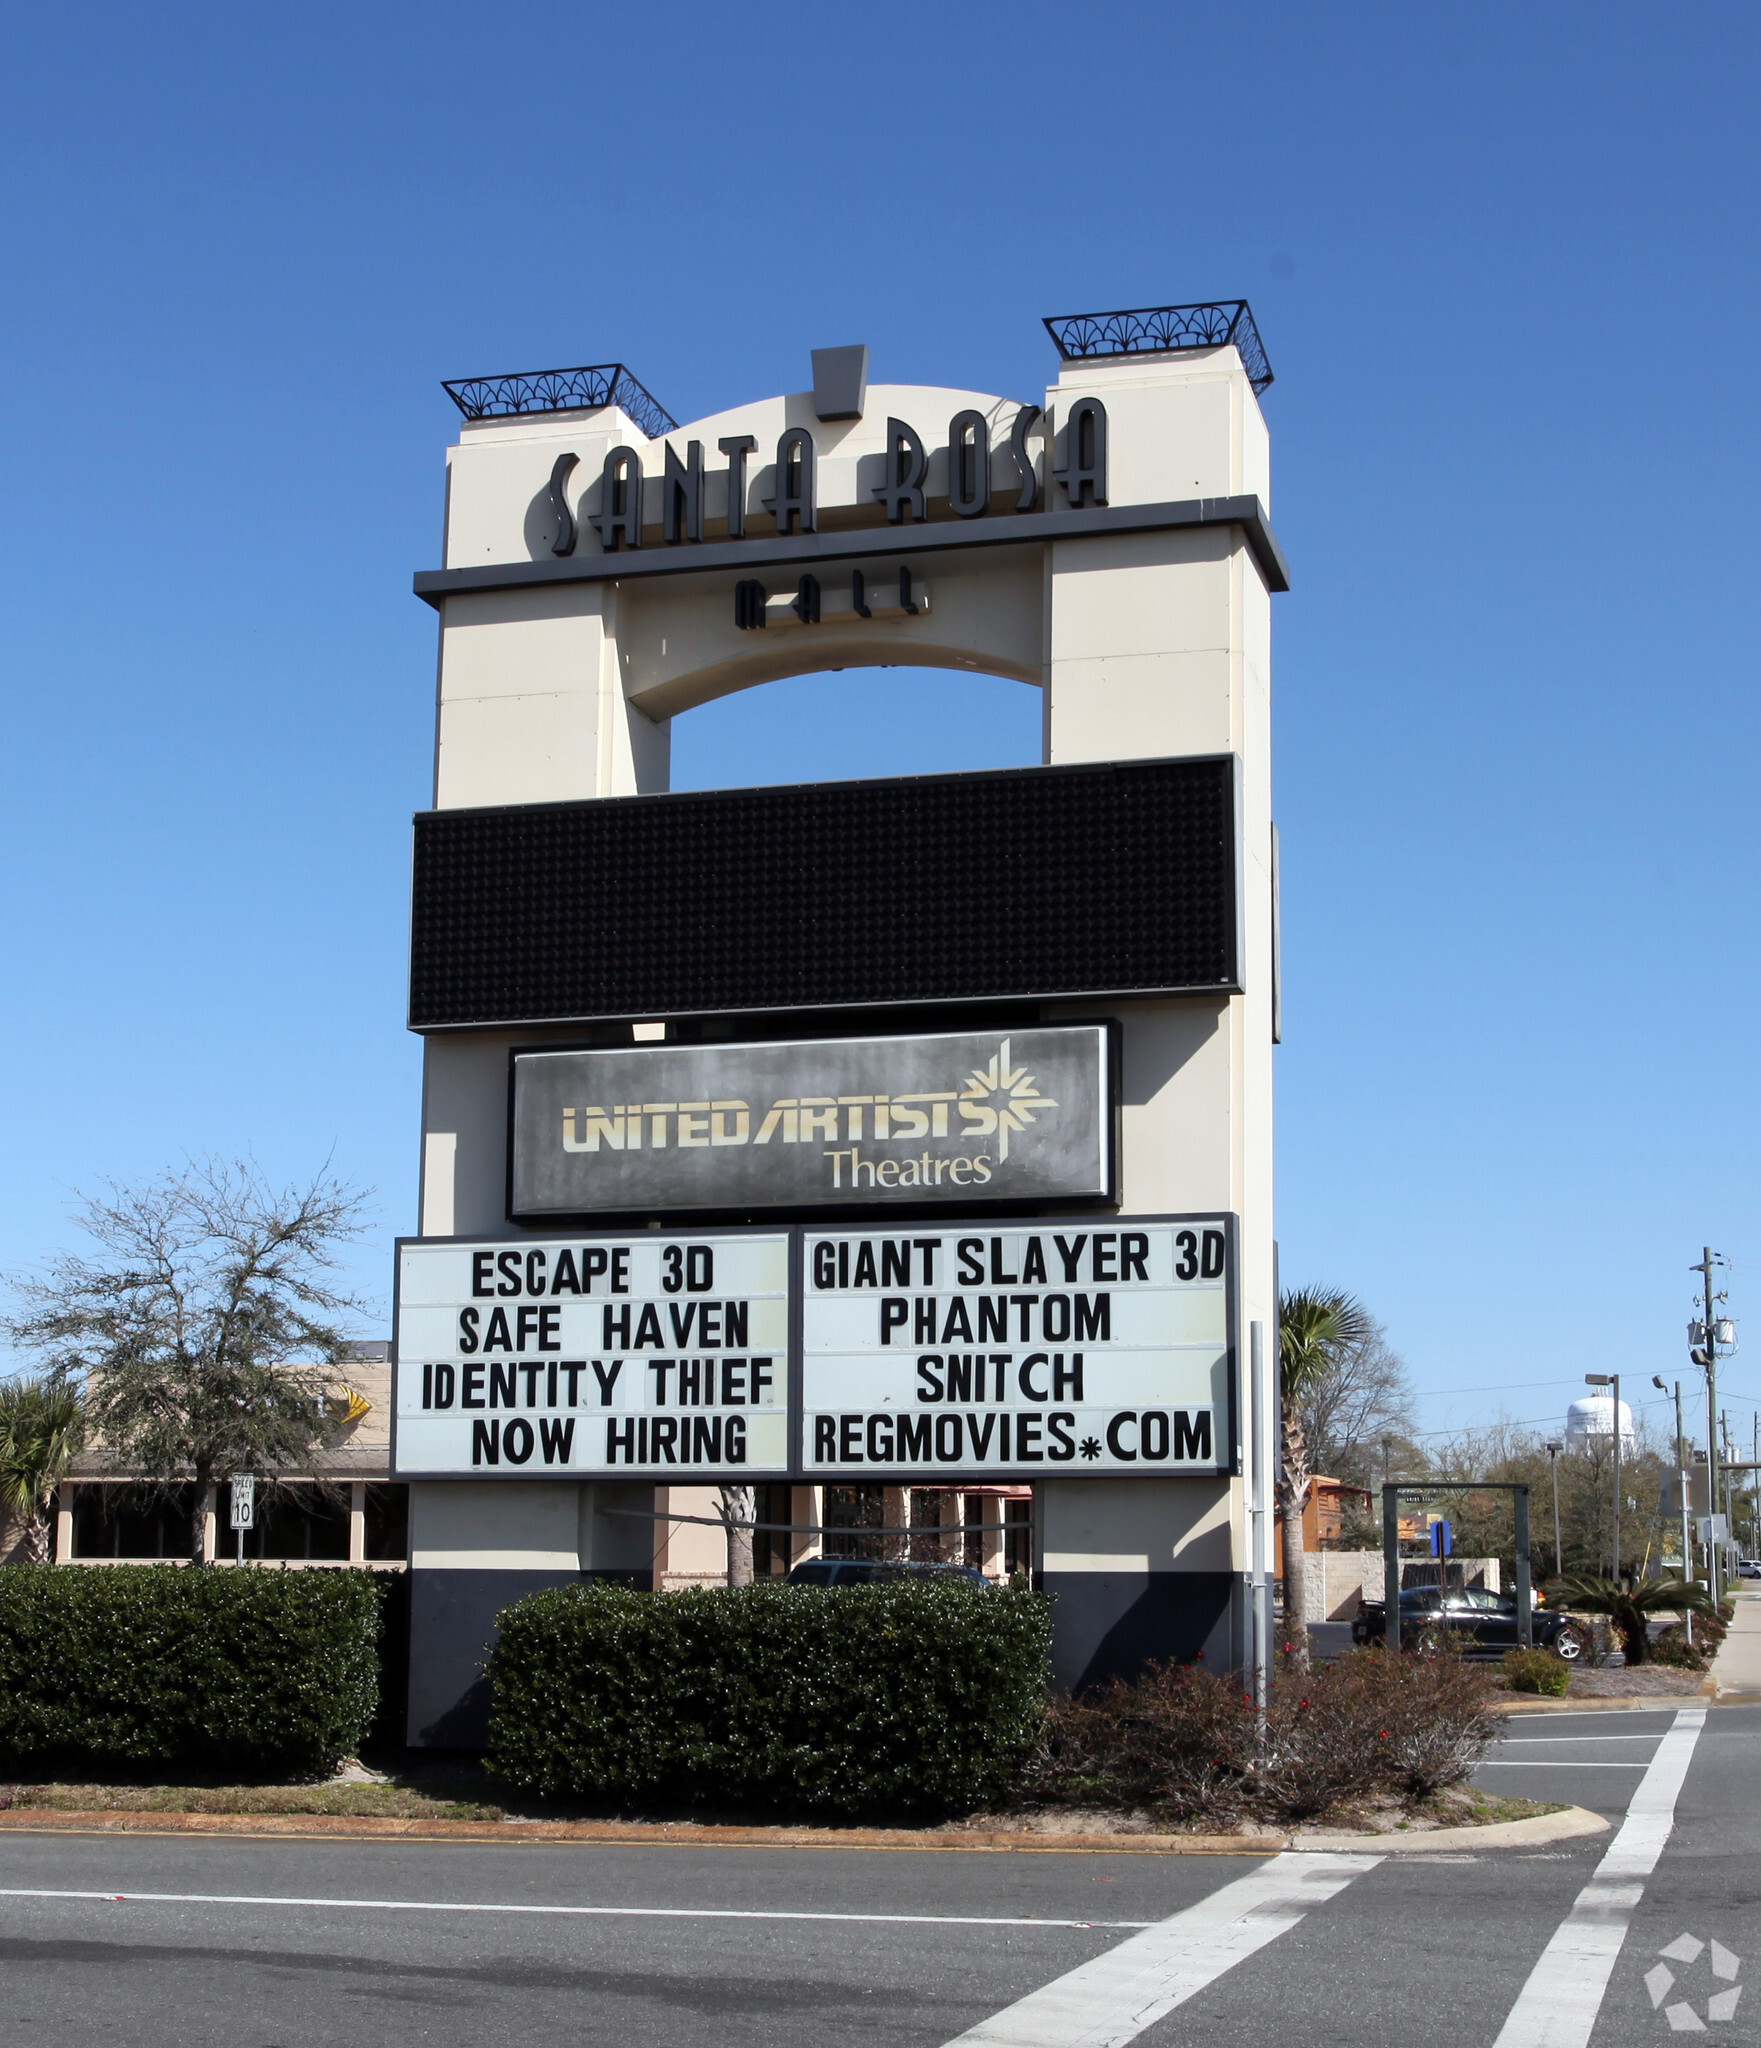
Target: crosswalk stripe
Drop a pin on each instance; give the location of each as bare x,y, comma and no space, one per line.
1106,2002
1558,2005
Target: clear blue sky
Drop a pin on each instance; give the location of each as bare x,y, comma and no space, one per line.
1504,261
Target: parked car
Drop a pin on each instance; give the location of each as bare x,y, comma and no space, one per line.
1483,1624
1749,1568
867,1571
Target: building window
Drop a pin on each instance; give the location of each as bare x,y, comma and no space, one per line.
973,1553
929,1510
852,1508
298,1524
388,1524
137,1522
770,1547
1017,1536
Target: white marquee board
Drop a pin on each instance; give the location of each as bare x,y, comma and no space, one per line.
581,1355
1099,1345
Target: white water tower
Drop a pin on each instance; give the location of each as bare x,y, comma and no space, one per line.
1593,1419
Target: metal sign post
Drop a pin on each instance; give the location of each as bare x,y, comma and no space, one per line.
1442,1549
1391,1564
244,1511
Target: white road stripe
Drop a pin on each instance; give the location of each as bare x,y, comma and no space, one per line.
1112,1999
1530,1741
582,1912
1557,2007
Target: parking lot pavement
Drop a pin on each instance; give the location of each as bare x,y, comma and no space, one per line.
1594,1759
289,1944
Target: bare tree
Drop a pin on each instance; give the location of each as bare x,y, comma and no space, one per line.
202,1332
737,1509
1506,1450
1347,1411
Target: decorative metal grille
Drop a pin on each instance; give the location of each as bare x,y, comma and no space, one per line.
576,390
1152,328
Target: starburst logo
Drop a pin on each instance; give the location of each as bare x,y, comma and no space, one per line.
1681,2014
1001,1098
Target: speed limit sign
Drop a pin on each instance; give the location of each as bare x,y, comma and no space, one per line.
244,1501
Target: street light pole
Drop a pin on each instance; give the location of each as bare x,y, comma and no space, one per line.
1553,1451
1681,1496
1612,1379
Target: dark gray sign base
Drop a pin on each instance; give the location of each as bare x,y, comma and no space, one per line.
1111,1624
452,1631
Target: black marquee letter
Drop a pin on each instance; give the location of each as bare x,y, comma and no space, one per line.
736,447
1085,452
969,465
682,495
806,601
564,544
620,500
795,482
905,465
1028,496
749,604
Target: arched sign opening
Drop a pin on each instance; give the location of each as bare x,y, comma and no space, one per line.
846,724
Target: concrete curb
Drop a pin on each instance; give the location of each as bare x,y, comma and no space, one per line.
339,1827
1544,1827
1639,1703
1499,1834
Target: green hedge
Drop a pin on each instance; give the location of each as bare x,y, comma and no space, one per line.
145,1665
908,1697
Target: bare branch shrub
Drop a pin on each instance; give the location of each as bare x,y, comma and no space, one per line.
1178,1740
1188,1746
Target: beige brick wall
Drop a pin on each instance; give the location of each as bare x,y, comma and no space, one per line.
1337,1579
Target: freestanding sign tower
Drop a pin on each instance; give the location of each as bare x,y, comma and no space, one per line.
907,1129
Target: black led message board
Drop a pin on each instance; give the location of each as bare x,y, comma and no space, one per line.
1112,878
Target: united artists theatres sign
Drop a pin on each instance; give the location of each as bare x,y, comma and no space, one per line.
1097,1344
948,1117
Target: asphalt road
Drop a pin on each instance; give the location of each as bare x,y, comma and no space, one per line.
282,1944
1592,1760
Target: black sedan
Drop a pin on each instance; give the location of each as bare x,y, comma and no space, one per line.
1482,1624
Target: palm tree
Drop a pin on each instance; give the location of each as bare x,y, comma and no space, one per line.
1630,1608
41,1429
1317,1328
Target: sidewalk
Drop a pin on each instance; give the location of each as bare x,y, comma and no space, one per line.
1737,1667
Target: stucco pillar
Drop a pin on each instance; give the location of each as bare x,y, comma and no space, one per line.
1159,644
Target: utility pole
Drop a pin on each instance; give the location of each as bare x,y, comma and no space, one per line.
1612,1379
1681,1496
1553,1451
1708,1357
